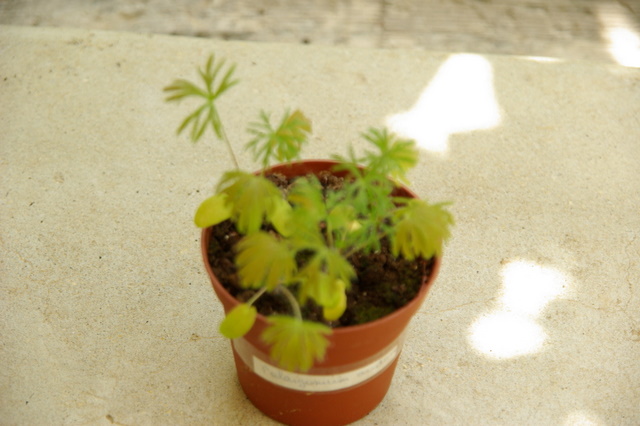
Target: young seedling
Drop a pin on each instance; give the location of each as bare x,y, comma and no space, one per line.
323,229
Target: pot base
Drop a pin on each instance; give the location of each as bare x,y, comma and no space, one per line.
334,408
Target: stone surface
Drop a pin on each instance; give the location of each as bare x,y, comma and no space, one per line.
107,316
569,29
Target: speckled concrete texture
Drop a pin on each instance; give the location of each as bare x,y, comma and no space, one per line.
107,316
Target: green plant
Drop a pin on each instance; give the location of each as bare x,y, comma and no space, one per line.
323,229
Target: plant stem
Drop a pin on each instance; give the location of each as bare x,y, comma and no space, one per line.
292,301
226,140
256,296
353,249
329,235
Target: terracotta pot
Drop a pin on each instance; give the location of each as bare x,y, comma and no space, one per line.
358,367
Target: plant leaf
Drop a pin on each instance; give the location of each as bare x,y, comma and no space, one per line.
307,212
341,217
306,196
368,196
282,144
238,321
295,127
212,211
335,311
263,260
323,275
227,82
207,112
281,217
394,157
180,89
296,344
253,199
421,228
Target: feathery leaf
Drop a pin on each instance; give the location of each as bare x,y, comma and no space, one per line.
281,144
206,113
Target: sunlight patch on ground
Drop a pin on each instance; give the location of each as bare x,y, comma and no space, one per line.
507,335
512,329
459,98
543,59
582,418
621,34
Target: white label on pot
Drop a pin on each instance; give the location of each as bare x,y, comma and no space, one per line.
323,382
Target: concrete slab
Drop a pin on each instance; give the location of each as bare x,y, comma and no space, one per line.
107,315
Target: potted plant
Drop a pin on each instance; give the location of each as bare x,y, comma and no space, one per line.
319,264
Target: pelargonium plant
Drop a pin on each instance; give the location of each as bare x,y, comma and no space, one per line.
298,243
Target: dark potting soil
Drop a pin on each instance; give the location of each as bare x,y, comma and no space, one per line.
383,284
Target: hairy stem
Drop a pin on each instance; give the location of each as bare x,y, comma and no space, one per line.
292,301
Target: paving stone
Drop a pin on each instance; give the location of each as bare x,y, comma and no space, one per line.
569,29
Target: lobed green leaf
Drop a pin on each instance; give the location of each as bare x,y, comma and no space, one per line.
296,344
420,229
253,200
265,261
